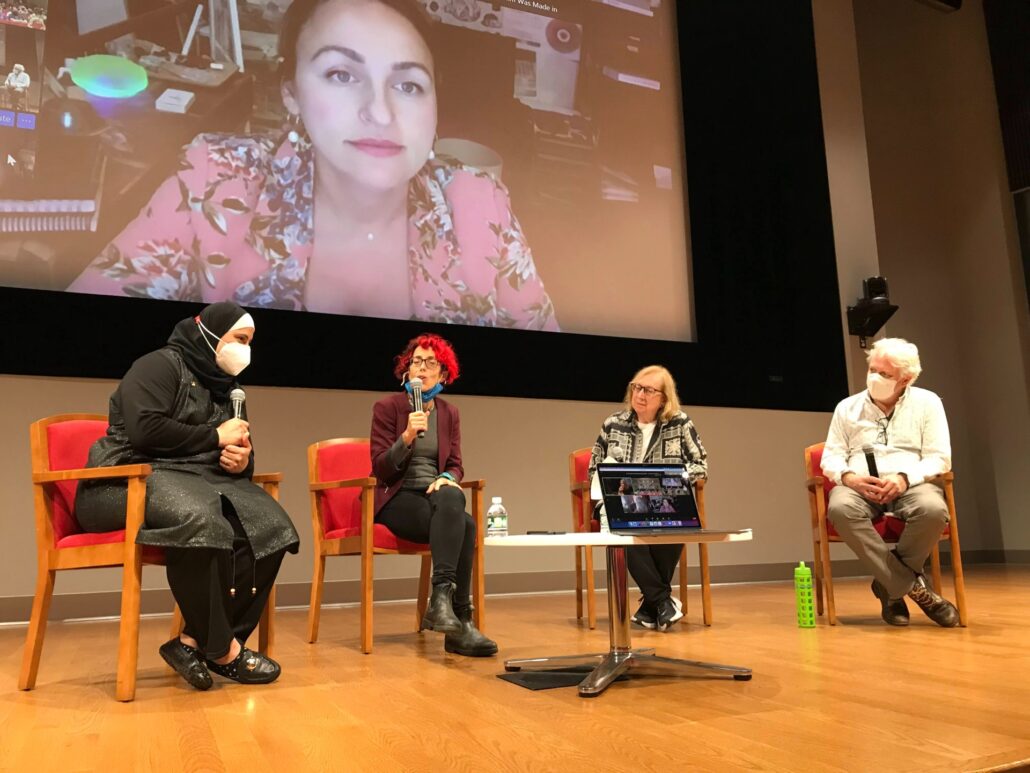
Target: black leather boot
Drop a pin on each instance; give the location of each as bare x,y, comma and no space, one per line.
893,611
440,614
470,641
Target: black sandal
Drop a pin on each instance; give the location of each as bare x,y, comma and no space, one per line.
249,667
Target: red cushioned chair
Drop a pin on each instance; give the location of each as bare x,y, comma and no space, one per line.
60,445
583,521
342,523
886,526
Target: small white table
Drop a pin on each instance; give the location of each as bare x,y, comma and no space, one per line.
620,656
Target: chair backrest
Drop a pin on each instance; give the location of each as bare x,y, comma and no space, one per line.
579,465
340,459
813,465
62,443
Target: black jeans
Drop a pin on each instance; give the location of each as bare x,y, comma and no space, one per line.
439,519
653,567
201,578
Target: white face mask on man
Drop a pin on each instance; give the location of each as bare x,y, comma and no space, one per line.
879,387
232,358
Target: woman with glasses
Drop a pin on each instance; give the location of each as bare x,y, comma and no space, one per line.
416,455
652,429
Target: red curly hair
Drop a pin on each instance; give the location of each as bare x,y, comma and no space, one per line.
441,348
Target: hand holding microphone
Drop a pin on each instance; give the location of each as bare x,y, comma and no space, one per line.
418,420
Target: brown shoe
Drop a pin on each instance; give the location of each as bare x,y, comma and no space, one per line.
937,608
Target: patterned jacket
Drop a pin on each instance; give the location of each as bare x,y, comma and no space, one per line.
236,222
674,442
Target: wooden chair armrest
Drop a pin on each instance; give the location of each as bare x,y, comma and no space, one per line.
267,477
477,483
944,477
94,473
349,483
582,485
817,482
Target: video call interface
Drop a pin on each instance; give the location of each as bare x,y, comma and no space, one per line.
571,107
652,498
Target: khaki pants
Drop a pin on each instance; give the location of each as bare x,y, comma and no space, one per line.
925,514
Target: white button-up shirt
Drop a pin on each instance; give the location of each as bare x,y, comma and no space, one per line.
917,439
18,80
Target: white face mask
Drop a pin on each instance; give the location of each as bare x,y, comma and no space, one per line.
233,356
879,387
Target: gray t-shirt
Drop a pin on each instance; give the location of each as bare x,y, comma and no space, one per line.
424,466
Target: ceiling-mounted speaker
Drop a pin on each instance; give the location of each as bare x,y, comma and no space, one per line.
943,5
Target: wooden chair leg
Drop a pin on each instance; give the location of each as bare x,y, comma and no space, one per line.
422,602
128,635
315,605
960,580
683,578
591,599
266,626
479,585
831,607
177,623
366,602
935,569
817,571
706,584
37,627
578,550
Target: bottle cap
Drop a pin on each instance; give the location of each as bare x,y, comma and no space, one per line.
495,500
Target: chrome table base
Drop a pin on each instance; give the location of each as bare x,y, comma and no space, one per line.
608,666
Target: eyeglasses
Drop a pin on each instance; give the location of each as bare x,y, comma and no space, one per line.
881,430
431,363
646,391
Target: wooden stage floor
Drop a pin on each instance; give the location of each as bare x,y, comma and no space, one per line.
856,697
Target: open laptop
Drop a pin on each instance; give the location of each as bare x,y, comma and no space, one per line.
644,499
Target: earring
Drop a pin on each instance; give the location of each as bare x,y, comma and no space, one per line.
432,153
295,128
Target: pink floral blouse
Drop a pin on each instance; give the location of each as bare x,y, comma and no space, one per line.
236,222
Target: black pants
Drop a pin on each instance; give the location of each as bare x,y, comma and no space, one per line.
201,578
653,567
439,519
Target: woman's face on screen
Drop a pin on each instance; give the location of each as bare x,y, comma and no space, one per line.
365,91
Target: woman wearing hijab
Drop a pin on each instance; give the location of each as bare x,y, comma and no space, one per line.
224,537
419,497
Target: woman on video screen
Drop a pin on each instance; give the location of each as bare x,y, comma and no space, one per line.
352,212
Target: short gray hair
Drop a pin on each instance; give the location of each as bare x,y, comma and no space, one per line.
902,354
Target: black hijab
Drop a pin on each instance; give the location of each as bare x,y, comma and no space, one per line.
192,343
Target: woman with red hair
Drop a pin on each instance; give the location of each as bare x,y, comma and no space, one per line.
416,455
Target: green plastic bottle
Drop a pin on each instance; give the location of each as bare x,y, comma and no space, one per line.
803,594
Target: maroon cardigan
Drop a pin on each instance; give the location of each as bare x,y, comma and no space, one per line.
390,457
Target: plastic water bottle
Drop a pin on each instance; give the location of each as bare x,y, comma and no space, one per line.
496,519
603,518
803,595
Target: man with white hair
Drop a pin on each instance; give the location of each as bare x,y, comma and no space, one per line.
17,86
905,430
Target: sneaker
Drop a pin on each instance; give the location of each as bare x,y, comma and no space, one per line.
937,608
669,611
644,616
893,611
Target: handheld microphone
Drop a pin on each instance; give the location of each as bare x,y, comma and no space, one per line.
416,399
870,461
237,398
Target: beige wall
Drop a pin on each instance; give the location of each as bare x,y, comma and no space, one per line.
520,446
947,242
